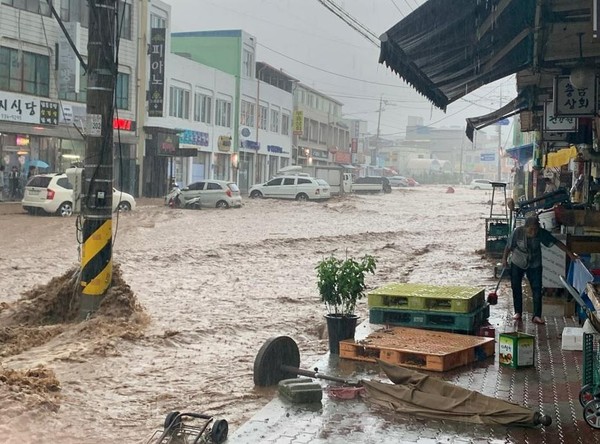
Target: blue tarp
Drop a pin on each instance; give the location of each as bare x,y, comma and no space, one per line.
521,153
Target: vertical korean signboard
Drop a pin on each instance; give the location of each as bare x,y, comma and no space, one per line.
298,123
157,72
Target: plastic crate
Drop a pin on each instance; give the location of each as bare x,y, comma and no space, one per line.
590,354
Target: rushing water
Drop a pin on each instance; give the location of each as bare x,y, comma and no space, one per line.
215,285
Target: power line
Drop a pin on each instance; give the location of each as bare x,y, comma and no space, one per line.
351,21
331,72
399,10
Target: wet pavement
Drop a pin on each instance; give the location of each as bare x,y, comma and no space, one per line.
550,387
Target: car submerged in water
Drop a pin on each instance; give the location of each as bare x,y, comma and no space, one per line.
299,187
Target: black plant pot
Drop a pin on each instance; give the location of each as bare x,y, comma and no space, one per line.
339,328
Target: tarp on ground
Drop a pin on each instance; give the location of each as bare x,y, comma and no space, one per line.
447,49
425,396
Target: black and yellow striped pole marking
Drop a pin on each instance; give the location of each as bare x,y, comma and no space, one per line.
96,261
96,252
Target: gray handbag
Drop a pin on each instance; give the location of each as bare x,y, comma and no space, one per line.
520,256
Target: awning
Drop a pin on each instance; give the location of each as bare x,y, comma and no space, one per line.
522,153
447,49
561,157
513,107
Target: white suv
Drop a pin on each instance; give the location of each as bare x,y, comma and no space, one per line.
53,193
297,187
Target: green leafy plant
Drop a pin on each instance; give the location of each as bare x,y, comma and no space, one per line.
341,282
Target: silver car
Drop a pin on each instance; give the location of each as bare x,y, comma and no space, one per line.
214,193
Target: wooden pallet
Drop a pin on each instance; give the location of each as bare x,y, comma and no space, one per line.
427,297
421,349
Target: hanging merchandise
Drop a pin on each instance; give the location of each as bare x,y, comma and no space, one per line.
537,151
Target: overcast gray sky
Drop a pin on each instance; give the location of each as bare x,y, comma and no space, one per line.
310,43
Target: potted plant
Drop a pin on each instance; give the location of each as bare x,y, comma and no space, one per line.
341,284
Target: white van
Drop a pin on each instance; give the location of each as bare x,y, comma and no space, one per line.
292,186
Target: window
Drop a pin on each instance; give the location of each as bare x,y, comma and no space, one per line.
248,64
124,23
285,124
323,133
262,117
247,114
157,22
274,182
179,102
289,181
75,11
274,120
303,181
213,186
196,186
122,91
64,182
23,71
202,108
223,113
314,131
37,6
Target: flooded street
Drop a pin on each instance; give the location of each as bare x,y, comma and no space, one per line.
214,286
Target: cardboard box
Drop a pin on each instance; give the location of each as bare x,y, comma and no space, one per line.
552,307
572,338
517,349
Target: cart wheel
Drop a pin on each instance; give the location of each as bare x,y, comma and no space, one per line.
586,394
172,421
591,413
219,431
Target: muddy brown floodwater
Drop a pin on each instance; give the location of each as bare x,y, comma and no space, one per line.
212,286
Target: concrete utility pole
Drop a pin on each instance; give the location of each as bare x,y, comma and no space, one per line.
499,172
376,152
96,252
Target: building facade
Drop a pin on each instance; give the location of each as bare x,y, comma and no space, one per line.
43,87
261,110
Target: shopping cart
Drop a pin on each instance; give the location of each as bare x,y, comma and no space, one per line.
195,430
589,395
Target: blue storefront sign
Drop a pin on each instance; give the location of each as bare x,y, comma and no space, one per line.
274,149
250,145
197,138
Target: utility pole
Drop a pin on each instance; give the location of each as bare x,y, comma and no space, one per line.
376,152
96,252
499,173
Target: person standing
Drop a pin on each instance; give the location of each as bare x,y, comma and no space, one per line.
524,245
14,182
550,187
1,183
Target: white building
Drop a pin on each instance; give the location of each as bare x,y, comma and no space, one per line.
43,89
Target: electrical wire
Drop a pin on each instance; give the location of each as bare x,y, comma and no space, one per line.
351,21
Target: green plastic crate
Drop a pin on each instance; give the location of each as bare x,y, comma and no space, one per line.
421,297
431,320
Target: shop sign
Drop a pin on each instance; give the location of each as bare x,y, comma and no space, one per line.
190,137
124,124
571,101
26,109
558,123
274,149
224,143
156,88
298,123
69,70
318,154
250,145
167,144
343,157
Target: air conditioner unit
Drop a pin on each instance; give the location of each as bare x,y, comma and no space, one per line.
246,132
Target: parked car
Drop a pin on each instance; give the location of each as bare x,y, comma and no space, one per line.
398,181
385,183
292,187
214,193
53,194
481,184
